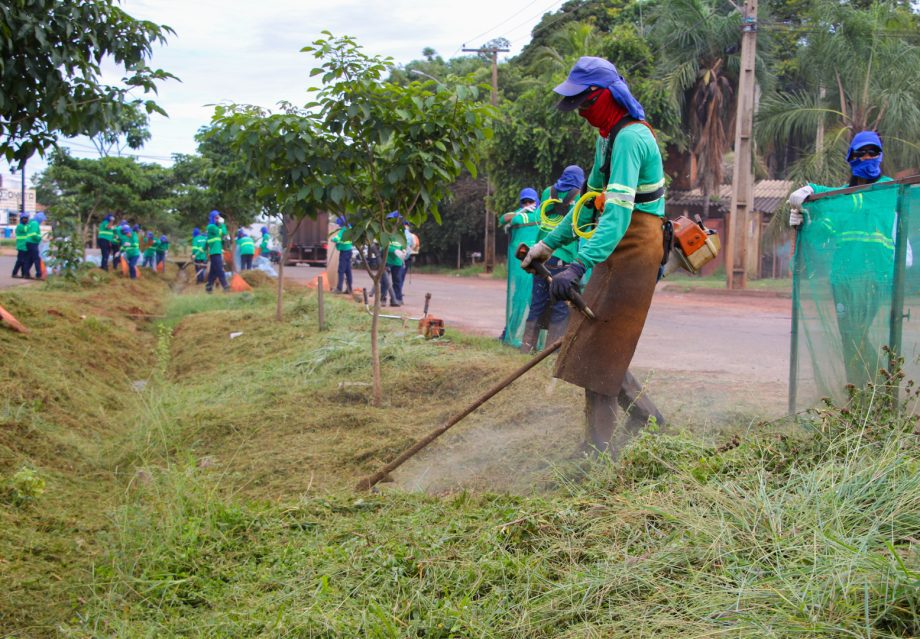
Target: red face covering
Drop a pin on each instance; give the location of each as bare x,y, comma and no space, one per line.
604,113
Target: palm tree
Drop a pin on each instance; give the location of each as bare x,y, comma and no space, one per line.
858,73
698,43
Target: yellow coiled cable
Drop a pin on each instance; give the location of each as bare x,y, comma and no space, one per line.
546,221
580,230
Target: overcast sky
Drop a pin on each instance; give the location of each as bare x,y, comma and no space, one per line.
249,51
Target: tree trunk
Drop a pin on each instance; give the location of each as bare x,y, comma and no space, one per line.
375,322
285,252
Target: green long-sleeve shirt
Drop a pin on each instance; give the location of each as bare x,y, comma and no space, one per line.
199,247
33,232
246,245
215,240
22,236
342,244
132,246
635,168
266,240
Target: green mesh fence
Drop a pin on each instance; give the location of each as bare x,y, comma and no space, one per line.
856,290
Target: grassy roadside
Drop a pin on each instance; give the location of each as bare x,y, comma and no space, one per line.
215,501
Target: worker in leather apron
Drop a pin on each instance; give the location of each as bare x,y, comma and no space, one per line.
625,251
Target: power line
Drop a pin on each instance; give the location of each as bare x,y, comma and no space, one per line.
505,21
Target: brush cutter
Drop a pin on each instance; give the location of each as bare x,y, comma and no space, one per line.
539,269
428,325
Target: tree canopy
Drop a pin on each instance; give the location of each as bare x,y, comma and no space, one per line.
51,52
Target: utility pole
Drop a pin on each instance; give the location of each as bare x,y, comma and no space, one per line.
743,178
489,251
22,168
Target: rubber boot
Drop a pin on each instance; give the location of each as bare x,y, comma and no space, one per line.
555,331
636,403
600,421
530,336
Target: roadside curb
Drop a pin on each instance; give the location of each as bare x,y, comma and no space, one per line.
723,292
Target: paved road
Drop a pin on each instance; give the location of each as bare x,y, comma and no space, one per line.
6,267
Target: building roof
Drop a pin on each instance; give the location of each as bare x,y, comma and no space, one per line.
769,195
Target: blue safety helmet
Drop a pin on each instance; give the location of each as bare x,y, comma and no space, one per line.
39,217
591,72
264,230
164,239
213,215
125,229
529,194
196,232
240,233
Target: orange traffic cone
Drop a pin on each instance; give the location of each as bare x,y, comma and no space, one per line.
42,270
161,266
124,266
238,284
11,321
258,251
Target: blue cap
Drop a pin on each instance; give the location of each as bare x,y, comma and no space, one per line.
164,239
39,217
340,221
196,232
149,234
23,217
529,194
108,218
136,227
264,230
861,139
596,72
125,229
240,233
213,216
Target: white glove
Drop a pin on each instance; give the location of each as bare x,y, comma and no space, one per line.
530,207
400,254
539,252
797,197
795,218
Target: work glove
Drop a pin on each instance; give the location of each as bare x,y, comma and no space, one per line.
567,281
798,197
530,208
795,218
400,254
539,252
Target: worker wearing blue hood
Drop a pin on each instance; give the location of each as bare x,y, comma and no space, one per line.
862,233
522,226
104,239
546,312
199,254
215,243
344,245
20,269
33,240
623,241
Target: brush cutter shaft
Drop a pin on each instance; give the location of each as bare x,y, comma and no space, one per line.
368,482
539,269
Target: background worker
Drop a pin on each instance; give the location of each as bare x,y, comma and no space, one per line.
216,233
396,256
546,311
266,243
162,247
33,240
131,249
247,249
119,241
150,250
21,268
199,254
521,225
344,246
104,239
863,256
625,252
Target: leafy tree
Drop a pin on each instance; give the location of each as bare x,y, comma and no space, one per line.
864,62
79,192
699,60
129,130
51,76
462,223
364,148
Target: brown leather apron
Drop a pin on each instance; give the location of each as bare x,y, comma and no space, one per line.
596,353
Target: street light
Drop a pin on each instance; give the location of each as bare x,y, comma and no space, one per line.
430,77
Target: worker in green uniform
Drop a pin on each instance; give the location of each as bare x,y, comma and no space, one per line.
104,239
265,245
522,226
33,240
131,249
344,246
20,269
546,311
162,247
119,243
150,250
247,249
862,234
199,254
216,232
625,252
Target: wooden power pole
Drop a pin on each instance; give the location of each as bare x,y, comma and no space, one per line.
489,249
743,177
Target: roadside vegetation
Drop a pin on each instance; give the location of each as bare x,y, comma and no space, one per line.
162,478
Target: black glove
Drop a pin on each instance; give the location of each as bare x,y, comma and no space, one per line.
567,280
